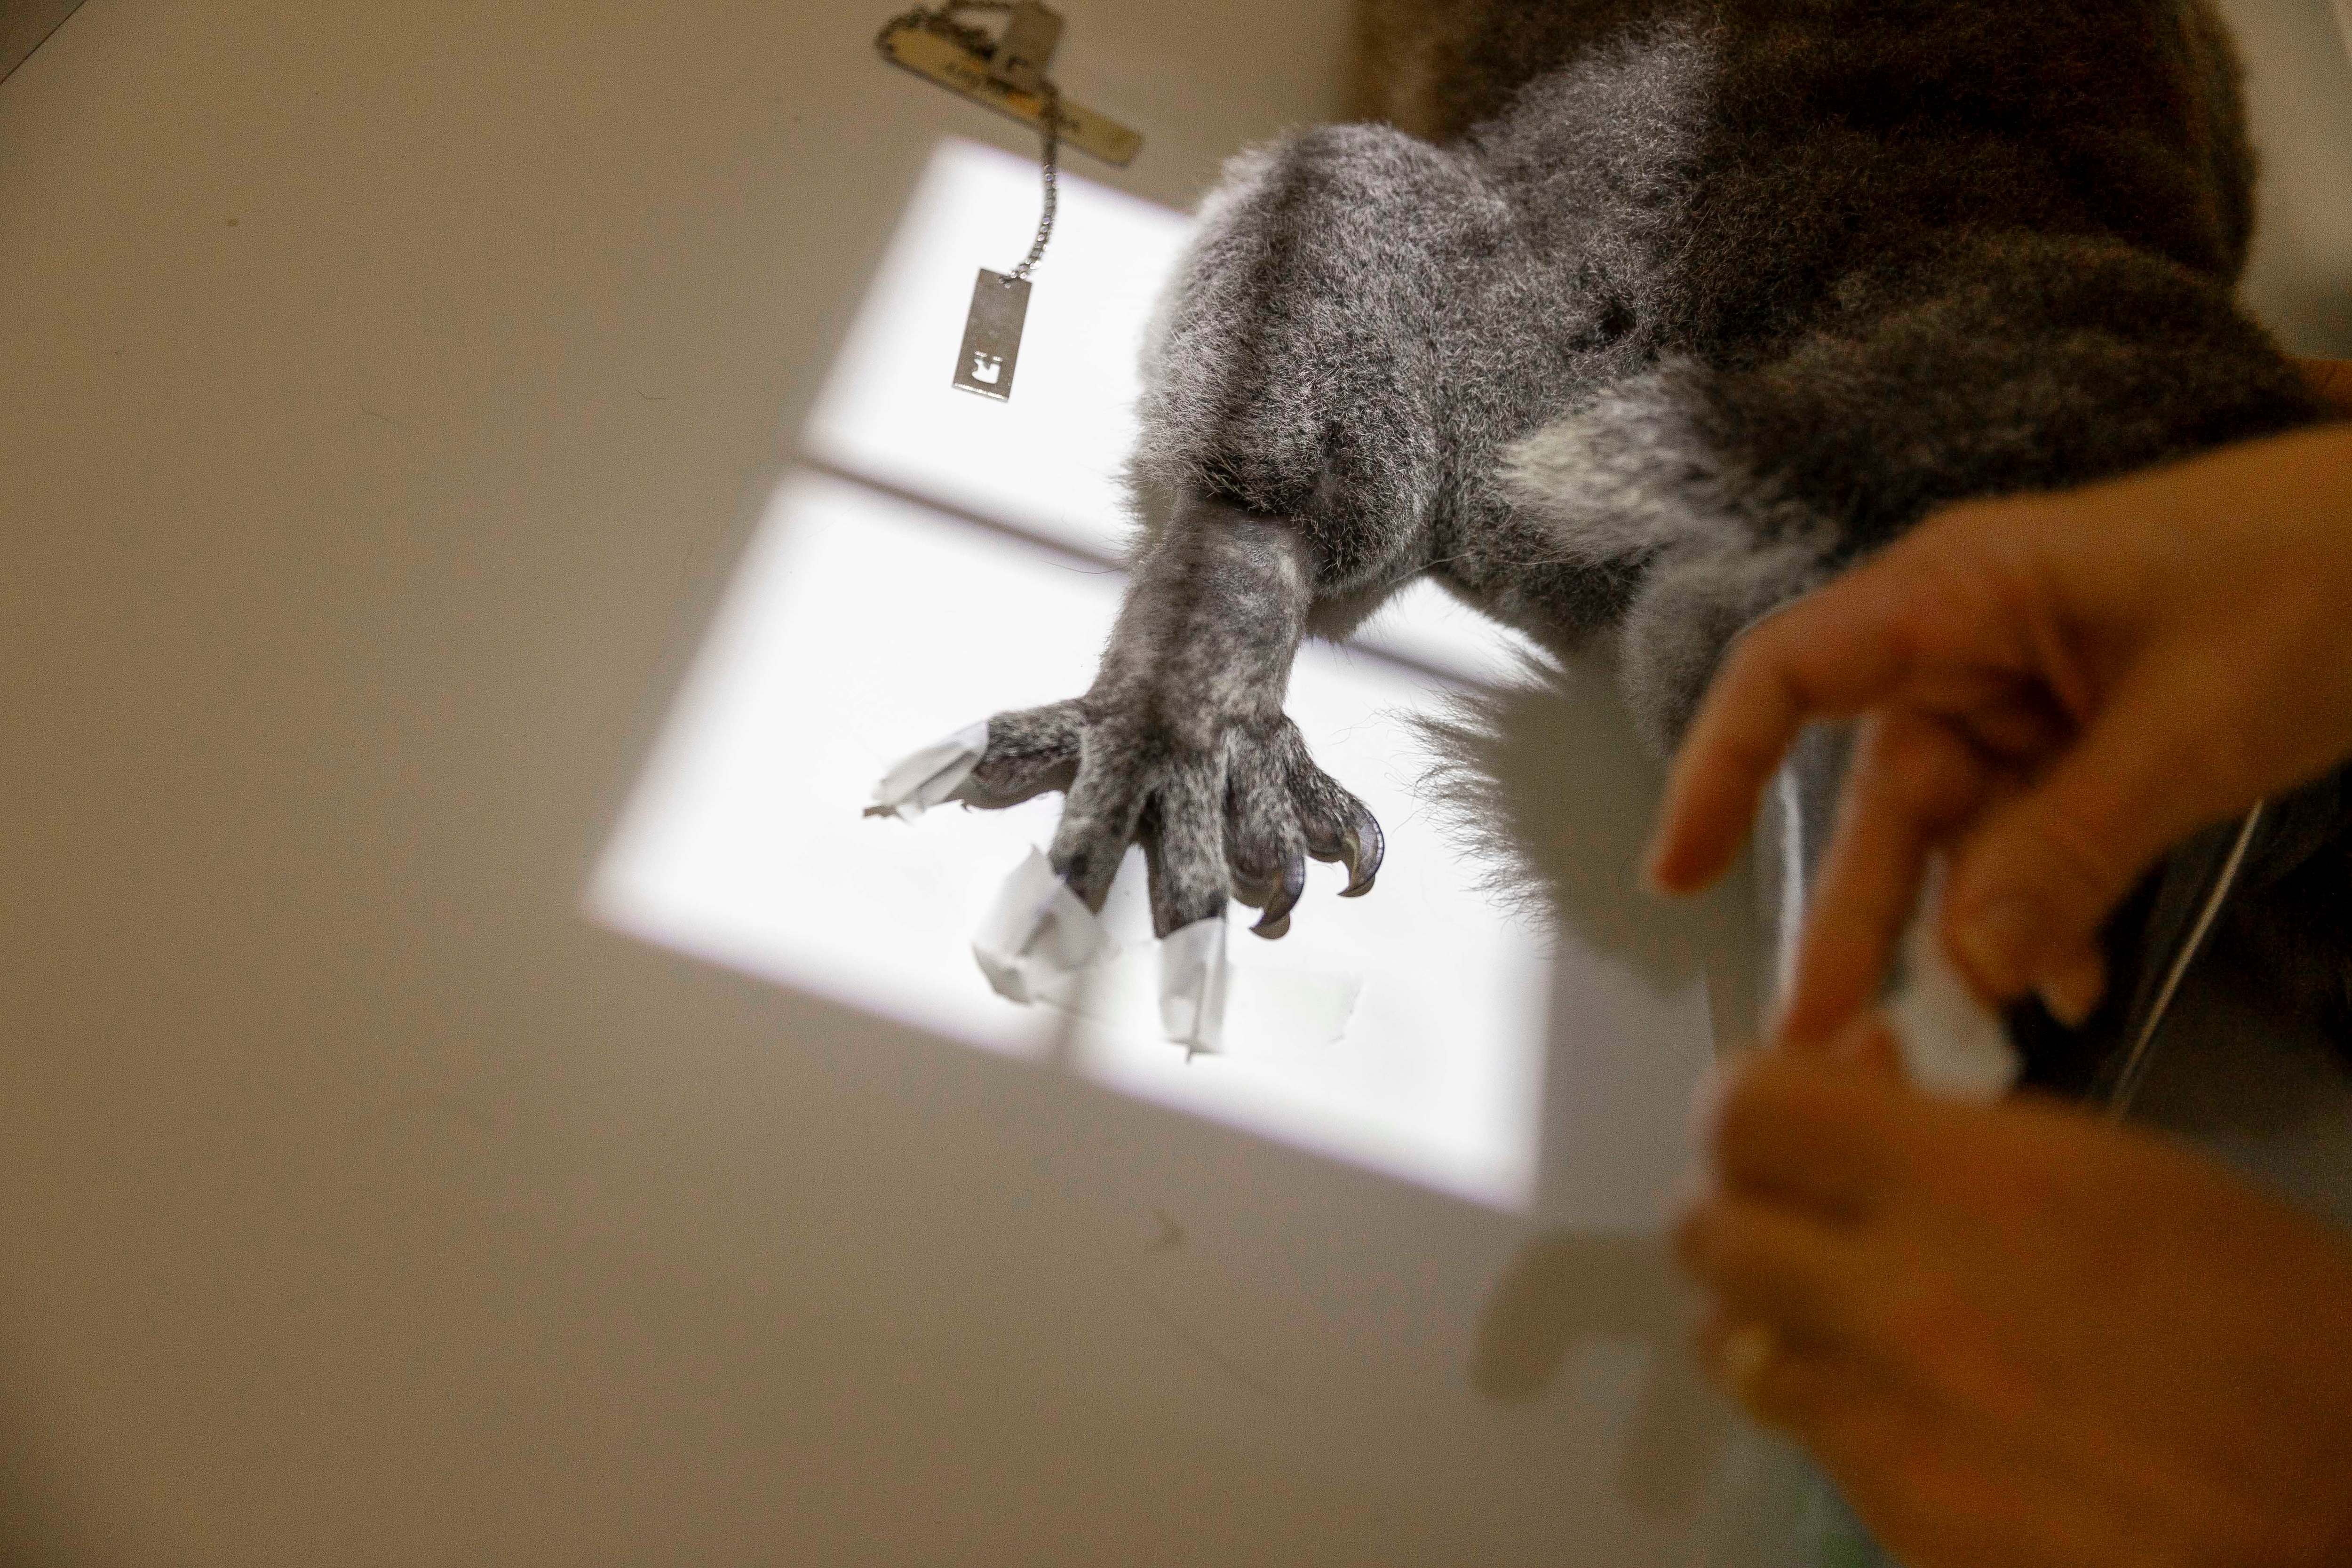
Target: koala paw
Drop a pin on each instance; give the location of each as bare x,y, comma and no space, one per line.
1225,808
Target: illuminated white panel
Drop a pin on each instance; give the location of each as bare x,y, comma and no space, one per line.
854,631
860,627
1047,462
1439,1076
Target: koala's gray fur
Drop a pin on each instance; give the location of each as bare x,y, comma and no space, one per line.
1672,309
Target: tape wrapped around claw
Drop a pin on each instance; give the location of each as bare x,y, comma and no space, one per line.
1194,985
1038,941
931,776
1037,937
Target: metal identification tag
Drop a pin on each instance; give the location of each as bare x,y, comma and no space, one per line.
991,336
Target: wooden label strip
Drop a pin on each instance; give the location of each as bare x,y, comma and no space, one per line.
947,62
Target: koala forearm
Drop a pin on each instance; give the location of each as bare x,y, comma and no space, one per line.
1202,652
1180,745
1213,619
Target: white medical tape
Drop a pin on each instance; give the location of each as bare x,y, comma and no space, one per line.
1037,936
1192,985
930,776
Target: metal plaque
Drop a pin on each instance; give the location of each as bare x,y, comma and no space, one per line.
949,63
1025,53
991,336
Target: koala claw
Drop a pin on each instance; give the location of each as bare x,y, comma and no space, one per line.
1234,816
1280,810
1361,850
1281,900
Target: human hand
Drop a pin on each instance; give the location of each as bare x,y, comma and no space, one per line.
2019,1337
2055,688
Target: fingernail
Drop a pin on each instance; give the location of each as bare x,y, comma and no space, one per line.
1992,941
2073,995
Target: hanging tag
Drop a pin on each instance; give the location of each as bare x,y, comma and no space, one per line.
991,336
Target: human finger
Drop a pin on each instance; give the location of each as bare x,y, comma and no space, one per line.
1800,1130
1913,779
1924,614
1764,1261
1774,679
1792,1384
2034,878
1865,1045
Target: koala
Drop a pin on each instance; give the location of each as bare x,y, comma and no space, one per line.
1627,321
